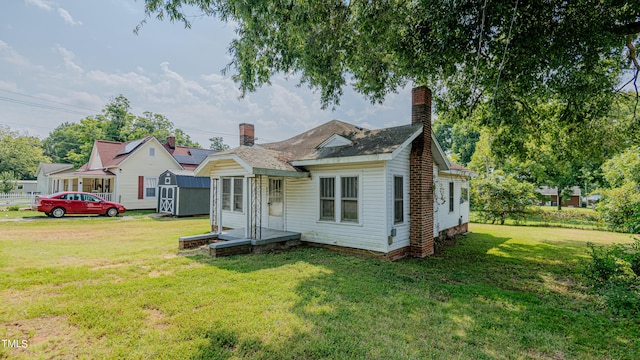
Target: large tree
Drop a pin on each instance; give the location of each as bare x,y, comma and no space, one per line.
471,52
72,142
20,153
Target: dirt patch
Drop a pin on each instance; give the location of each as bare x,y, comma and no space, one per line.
156,318
52,335
157,273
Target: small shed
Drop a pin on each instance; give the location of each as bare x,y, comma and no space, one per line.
183,194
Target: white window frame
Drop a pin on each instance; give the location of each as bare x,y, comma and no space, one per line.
451,199
152,152
394,200
329,198
148,180
233,194
337,198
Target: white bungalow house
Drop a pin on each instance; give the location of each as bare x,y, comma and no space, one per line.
389,191
43,176
127,172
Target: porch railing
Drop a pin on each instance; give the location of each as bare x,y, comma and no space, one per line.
105,196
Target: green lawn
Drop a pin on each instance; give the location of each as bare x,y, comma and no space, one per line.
119,288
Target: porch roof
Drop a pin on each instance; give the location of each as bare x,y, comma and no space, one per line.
89,173
254,159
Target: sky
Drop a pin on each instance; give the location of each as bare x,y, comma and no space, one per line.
61,61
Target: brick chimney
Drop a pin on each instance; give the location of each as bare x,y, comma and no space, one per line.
421,240
246,134
171,141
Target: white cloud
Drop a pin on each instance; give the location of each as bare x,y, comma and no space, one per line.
64,14
42,4
69,59
50,6
9,55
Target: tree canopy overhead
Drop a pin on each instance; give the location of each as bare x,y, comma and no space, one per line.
468,51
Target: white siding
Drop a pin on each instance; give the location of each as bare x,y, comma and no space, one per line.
399,166
460,214
44,183
302,207
141,164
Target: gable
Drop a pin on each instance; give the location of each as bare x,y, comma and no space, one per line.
335,140
150,152
95,162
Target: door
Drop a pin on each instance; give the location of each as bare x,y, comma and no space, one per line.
92,204
276,204
167,199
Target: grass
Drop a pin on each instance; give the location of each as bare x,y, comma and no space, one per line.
502,292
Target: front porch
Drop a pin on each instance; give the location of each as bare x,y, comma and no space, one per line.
98,182
233,242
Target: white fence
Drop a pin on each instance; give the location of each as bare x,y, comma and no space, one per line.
17,199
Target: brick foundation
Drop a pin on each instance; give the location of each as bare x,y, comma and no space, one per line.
231,250
390,256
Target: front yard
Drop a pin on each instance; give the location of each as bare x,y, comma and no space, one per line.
119,288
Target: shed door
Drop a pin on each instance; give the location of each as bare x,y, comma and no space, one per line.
276,204
167,199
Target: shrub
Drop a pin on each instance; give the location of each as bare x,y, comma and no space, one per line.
499,197
620,208
13,208
614,271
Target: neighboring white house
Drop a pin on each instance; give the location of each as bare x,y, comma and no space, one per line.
388,191
43,176
127,172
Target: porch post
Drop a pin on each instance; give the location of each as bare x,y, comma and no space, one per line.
247,208
219,205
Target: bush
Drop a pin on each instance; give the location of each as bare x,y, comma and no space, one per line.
615,273
13,208
620,208
499,197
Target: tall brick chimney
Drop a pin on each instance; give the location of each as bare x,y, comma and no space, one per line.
171,141
246,134
421,177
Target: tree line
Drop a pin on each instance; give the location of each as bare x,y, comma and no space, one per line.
71,142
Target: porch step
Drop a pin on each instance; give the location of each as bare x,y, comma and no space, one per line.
230,247
189,242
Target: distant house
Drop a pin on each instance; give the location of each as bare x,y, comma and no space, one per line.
390,192
127,172
43,176
551,196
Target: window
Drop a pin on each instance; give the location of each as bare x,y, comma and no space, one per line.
150,184
327,199
451,197
226,194
398,199
237,194
232,194
339,199
152,152
464,195
167,180
349,199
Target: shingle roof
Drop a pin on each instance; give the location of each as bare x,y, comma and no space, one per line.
546,190
459,167
258,157
302,145
365,142
51,168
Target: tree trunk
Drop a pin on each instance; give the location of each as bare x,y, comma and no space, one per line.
559,197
